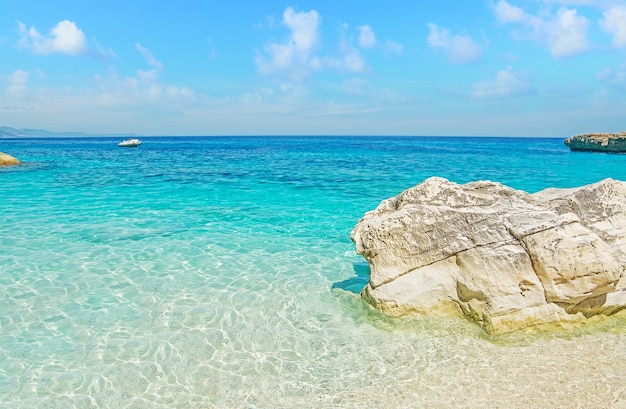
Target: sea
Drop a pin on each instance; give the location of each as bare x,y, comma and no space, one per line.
218,272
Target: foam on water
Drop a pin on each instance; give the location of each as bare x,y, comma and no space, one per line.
219,273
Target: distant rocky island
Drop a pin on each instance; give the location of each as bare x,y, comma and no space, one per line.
598,142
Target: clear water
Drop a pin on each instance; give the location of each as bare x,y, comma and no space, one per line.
219,273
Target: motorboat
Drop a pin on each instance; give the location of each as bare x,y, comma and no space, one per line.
130,143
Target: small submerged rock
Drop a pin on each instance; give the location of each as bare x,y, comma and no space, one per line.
598,142
7,160
503,258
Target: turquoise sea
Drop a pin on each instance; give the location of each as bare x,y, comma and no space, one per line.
218,272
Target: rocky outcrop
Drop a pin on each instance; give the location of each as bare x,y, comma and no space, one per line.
598,142
6,160
503,258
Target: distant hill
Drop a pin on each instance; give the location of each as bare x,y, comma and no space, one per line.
8,132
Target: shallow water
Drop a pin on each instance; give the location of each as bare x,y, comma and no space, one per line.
219,273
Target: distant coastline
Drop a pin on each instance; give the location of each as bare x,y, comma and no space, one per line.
8,132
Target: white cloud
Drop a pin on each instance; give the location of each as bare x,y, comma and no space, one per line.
64,38
176,92
150,76
367,38
507,13
212,53
257,97
296,53
354,61
565,34
393,47
146,87
459,48
593,3
150,59
379,97
507,83
284,97
614,22
17,83
615,79
296,56
355,86
102,51
304,29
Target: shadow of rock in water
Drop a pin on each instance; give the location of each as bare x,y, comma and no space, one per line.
358,282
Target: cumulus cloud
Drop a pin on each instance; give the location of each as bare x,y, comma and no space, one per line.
64,38
564,33
304,29
614,22
367,38
507,13
297,51
567,33
507,83
150,58
297,57
459,49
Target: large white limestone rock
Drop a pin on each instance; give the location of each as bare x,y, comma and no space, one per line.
504,258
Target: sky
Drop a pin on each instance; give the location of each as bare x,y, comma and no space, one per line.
535,68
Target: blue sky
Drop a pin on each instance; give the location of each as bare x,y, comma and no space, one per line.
451,67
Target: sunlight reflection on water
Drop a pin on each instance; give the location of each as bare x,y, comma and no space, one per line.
219,273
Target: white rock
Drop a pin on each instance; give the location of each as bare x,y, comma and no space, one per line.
501,257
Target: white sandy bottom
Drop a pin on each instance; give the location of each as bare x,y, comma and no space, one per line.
199,325
219,273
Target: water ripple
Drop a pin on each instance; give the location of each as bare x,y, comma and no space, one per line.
219,273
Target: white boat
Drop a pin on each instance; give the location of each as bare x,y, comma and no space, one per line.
130,143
